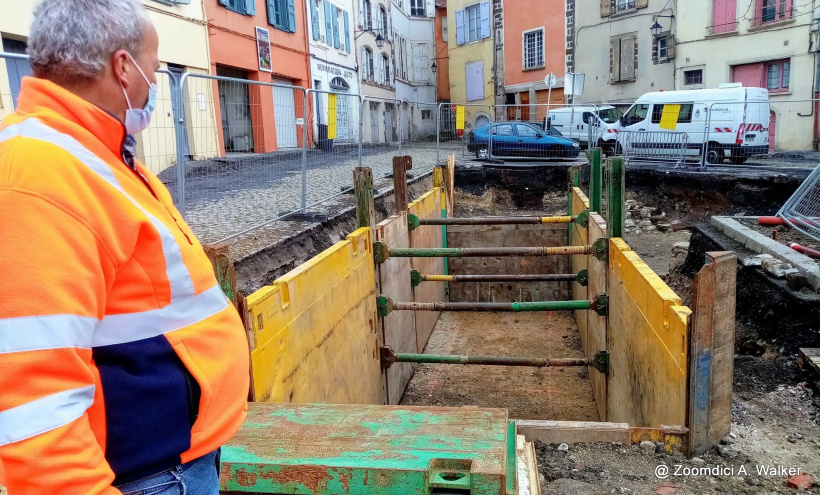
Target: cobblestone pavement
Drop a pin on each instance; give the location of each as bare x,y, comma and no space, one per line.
226,197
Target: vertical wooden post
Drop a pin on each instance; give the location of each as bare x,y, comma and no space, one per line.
616,185
363,190
711,351
401,164
573,180
596,178
224,271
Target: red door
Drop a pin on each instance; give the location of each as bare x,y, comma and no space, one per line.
724,15
772,126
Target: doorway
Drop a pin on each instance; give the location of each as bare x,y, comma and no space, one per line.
235,106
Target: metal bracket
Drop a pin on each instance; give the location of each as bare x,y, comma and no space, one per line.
582,219
582,278
601,305
600,249
387,357
384,305
380,252
413,222
599,361
416,278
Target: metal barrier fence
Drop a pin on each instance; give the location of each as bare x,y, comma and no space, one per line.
655,146
802,210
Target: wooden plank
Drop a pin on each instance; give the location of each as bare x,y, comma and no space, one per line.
399,327
809,359
450,182
427,206
314,332
580,237
401,164
597,324
648,344
712,351
527,467
363,190
574,431
223,270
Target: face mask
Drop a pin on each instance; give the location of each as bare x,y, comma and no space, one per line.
137,120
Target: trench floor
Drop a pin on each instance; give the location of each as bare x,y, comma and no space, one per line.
560,394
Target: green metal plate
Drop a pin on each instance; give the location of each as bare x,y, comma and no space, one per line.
368,450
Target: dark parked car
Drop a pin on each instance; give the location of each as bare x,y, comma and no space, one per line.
520,139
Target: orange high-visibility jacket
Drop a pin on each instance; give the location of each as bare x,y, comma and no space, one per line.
120,356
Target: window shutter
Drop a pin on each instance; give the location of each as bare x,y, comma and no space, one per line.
460,27
328,24
347,32
271,5
335,21
615,63
606,8
291,17
375,20
361,13
670,47
485,20
250,7
389,25
627,58
314,17
393,71
430,8
224,3
641,4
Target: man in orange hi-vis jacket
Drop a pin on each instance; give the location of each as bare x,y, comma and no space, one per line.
123,367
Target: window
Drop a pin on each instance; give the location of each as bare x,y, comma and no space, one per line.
444,28
367,64
636,114
684,115
426,115
245,7
281,15
534,49
623,58
384,24
622,5
417,7
386,65
367,15
777,75
526,131
692,77
662,45
473,23
502,130
772,10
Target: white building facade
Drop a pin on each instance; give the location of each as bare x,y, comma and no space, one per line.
374,27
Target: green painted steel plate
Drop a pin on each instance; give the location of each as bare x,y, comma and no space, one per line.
368,450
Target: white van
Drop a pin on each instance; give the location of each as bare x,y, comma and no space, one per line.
730,122
578,122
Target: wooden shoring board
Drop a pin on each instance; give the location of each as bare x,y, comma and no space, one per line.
427,236
527,467
570,432
597,324
580,237
450,182
314,334
399,327
712,351
648,344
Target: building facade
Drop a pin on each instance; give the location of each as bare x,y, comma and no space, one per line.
377,81
773,44
183,47
611,43
472,59
414,48
534,38
442,57
333,66
258,41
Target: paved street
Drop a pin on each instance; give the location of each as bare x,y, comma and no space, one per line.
228,196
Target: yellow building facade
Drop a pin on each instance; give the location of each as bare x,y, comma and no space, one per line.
183,47
472,52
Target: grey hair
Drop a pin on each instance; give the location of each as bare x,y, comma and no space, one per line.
73,40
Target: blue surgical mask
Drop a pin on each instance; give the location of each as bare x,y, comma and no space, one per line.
137,120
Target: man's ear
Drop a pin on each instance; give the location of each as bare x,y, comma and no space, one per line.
121,66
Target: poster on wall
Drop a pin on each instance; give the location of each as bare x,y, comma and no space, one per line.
263,48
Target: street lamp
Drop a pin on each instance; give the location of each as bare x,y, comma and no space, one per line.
379,40
656,29
434,67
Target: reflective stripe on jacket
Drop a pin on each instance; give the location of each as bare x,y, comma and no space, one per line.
120,355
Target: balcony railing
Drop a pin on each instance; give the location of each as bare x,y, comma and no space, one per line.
773,13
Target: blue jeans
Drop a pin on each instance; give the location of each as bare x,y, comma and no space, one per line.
198,477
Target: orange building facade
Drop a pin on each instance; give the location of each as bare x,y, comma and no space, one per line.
258,118
442,52
534,46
